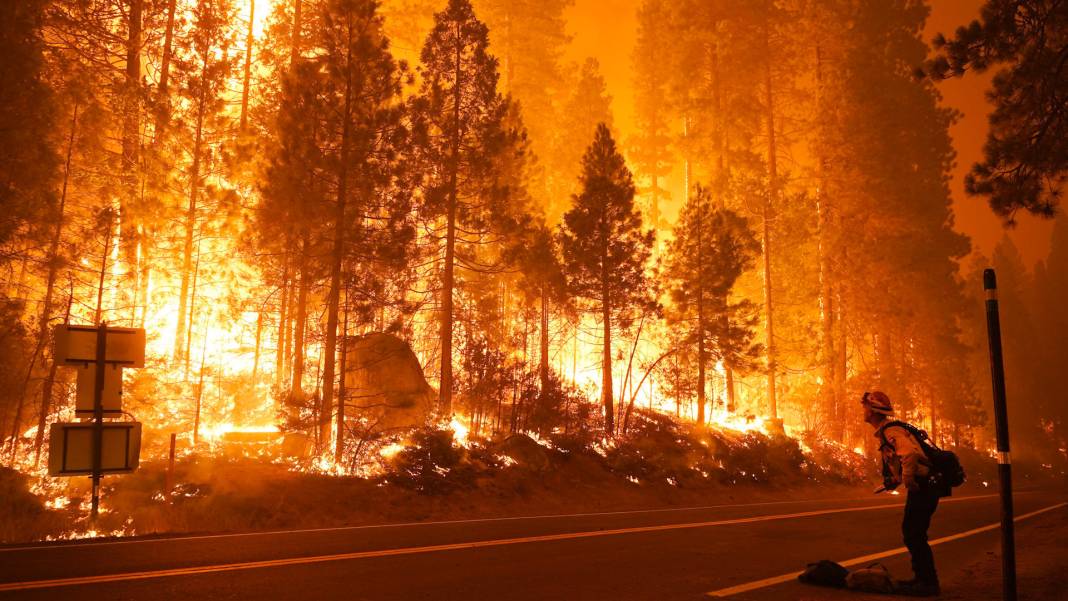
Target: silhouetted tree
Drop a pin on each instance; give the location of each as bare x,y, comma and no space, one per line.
606,250
28,161
1025,164
710,250
650,147
475,145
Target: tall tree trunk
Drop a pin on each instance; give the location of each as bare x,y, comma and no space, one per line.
334,293
827,348
543,343
773,185
702,358
732,403
450,248
163,112
50,286
301,323
131,122
607,397
192,313
339,438
654,215
283,323
190,217
290,324
200,393
840,360
687,169
256,355
46,393
248,66
627,389
294,45
719,125
103,271
720,132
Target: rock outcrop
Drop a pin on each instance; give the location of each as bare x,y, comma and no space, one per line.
384,382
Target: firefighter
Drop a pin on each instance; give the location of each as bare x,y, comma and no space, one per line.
904,462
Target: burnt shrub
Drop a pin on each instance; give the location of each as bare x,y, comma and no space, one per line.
23,515
830,462
658,447
433,463
761,458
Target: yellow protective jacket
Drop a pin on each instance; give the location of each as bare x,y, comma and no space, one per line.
903,457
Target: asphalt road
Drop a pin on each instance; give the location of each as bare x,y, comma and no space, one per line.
742,551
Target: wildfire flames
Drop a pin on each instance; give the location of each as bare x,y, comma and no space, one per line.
267,187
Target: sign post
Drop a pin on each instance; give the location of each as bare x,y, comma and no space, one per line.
1001,422
98,413
113,447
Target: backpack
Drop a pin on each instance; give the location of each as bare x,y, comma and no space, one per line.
872,579
824,573
948,472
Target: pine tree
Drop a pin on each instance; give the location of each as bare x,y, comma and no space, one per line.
530,38
605,250
362,147
588,105
1052,289
294,208
1023,360
109,40
887,159
285,144
710,249
475,146
335,183
545,287
1025,164
28,166
28,161
650,147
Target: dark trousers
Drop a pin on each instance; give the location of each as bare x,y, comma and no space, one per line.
919,507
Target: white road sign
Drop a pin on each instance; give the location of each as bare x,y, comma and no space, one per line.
76,345
112,399
71,448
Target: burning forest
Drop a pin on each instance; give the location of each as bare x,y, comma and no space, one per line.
449,254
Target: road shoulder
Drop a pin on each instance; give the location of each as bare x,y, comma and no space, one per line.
1041,549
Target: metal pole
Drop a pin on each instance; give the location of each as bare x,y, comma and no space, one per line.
98,413
1001,421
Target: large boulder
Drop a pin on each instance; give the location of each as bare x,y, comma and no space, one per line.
526,452
385,382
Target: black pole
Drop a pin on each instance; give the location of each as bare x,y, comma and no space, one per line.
98,413
1001,422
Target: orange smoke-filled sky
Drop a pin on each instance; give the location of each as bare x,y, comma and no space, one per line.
606,29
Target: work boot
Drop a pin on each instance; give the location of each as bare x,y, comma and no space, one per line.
917,588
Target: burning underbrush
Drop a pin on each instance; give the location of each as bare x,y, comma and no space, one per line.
432,472
445,472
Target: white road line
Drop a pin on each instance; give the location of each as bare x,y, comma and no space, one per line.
248,565
136,540
766,582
